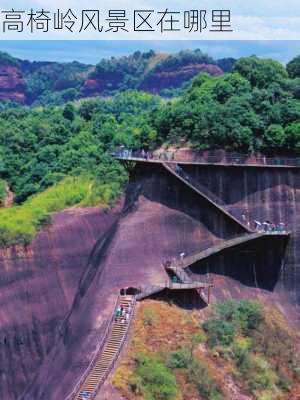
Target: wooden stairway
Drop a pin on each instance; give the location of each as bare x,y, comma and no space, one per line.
105,360
177,171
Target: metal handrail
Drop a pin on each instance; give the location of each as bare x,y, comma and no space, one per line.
93,395
99,347
121,345
188,259
183,285
224,159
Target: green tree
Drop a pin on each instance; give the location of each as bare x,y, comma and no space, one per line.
292,135
274,138
69,112
260,72
293,67
153,380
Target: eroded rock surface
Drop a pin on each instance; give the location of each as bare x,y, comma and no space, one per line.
166,218
12,85
37,288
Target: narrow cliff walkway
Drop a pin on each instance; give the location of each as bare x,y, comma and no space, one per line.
177,171
119,326
105,360
191,259
186,283
224,161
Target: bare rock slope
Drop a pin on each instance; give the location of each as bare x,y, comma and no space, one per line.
37,287
161,218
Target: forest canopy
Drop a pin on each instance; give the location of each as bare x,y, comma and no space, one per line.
254,108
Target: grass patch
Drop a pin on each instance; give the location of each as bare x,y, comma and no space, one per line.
207,386
153,380
20,224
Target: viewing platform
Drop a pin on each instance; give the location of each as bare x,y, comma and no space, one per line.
234,161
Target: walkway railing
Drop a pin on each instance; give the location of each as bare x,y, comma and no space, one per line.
122,344
258,161
190,259
184,282
76,392
100,346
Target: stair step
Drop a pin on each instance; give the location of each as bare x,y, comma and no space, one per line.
102,369
111,348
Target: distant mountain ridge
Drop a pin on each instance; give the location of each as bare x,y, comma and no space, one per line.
46,83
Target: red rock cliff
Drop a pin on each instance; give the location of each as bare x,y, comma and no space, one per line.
12,85
37,288
156,81
167,218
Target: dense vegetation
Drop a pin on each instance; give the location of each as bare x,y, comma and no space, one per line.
41,147
6,59
261,351
53,83
254,108
19,224
122,73
173,355
132,72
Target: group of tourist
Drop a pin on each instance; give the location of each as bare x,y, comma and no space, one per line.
144,154
85,395
123,313
268,226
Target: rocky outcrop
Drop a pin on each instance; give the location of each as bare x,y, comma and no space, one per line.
154,82
24,81
37,287
167,218
12,84
157,81
94,86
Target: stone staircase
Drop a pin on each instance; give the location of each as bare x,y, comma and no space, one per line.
104,362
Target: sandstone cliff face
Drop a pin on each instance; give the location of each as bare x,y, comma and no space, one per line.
262,194
166,218
106,82
154,82
37,287
12,85
157,81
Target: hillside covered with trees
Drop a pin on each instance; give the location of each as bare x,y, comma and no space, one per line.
253,108
46,83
